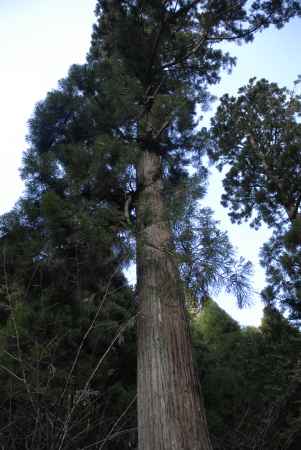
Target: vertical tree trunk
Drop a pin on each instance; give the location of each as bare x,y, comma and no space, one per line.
170,410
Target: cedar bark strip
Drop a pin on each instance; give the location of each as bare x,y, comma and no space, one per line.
170,410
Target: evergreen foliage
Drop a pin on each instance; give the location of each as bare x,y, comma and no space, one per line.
68,344
250,380
208,262
258,136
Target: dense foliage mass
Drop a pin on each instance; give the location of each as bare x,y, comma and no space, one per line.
258,137
250,379
118,135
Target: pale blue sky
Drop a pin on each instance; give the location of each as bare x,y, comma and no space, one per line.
40,39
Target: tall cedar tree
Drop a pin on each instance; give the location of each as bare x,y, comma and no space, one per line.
258,134
149,64
163,54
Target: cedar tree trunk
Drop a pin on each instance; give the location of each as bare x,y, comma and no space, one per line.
170,409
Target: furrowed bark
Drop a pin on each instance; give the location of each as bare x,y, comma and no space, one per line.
170,409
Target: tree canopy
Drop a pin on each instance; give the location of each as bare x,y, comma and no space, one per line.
257,136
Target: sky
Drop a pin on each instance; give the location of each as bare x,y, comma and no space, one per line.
40,39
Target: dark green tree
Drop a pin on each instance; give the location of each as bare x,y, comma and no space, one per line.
68,303
249,378
61,277
258,136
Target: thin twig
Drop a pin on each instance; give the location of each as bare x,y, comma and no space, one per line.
86,335
118,421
